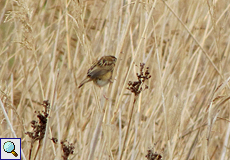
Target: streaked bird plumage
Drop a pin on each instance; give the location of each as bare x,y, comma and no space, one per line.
101,71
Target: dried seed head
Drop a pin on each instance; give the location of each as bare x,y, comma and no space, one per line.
153,156
39,126
68,148
136,86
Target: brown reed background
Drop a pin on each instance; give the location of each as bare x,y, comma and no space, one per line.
47,46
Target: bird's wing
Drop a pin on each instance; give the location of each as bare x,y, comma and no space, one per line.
98,72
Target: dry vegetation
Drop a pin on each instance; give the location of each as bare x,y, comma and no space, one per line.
47,46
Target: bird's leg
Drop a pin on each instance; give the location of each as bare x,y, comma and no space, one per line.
103,93
111,81
105,97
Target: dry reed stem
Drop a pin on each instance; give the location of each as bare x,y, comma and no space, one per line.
184,114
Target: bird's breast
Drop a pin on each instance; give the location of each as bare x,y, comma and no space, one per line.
104,79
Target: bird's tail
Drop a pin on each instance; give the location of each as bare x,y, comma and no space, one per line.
84,81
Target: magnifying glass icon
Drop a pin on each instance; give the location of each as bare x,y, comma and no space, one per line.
9,147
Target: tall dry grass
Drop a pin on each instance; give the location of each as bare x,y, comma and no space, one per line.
46,48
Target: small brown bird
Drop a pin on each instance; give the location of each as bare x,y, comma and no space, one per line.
101,71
